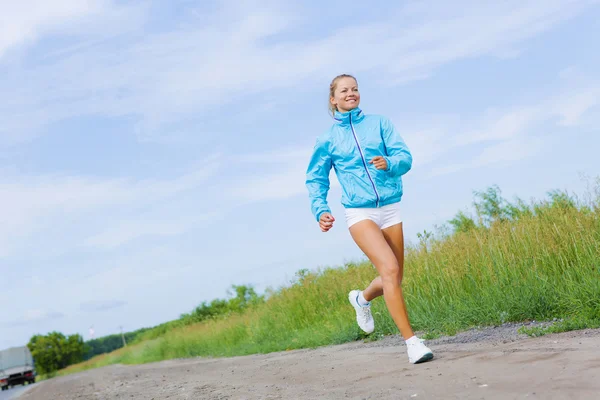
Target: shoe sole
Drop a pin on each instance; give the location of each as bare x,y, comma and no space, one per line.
425,358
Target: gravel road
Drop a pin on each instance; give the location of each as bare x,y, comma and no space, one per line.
491,363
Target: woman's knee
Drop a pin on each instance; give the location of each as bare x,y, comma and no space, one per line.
390,274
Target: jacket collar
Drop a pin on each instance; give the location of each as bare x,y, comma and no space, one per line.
354,115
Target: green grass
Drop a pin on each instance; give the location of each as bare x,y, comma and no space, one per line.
542,263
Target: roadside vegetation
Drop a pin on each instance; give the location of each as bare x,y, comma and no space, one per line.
502,261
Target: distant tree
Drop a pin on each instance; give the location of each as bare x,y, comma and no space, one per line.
241,297
462,222
562,199
109,343
491,206
519,210
56,351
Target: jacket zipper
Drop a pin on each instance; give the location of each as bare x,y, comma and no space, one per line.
364,162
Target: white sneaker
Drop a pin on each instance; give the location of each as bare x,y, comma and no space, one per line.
363,314
418,352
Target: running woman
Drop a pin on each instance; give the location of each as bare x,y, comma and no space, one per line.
369,158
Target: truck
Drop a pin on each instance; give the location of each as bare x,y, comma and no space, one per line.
16,367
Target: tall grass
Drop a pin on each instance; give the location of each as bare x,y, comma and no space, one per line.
510,262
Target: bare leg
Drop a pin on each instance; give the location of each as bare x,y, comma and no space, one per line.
374,243
374,290
394,235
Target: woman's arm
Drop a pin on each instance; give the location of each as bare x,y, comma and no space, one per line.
317,178
399,159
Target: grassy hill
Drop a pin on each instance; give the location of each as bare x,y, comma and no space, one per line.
507,261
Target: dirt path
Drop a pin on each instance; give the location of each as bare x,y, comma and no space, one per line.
489,364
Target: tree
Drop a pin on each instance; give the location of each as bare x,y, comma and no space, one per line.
462,222
241,297
491,206
244,296
55,351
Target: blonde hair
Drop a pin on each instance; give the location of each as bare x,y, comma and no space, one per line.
332,87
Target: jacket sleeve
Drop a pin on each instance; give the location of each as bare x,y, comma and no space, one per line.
317,178
399,159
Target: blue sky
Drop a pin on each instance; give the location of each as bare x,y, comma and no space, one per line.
152,154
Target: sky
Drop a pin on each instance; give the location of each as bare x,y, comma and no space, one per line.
153,154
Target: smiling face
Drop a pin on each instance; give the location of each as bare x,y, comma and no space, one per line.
345,95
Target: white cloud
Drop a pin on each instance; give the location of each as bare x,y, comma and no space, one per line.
275,186
445,32
24,22
279,156
199,65
146,269
101,305
568,106
37,315
508,151
427,143
502,125
32,205
571,107
506,135
284,177
125,231
448,169
32,315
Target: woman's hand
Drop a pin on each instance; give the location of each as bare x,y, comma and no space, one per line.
326,221
379,162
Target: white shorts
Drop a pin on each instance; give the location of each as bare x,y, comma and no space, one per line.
384,217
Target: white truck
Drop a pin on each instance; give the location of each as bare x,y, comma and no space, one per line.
16,367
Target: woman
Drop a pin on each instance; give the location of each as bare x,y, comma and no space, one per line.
369,158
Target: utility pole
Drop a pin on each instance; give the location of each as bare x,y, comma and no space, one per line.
123,336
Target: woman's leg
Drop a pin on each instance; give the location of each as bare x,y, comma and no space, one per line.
385,249
374,243
374,290
394,236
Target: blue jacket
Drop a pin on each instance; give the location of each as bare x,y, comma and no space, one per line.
347,147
